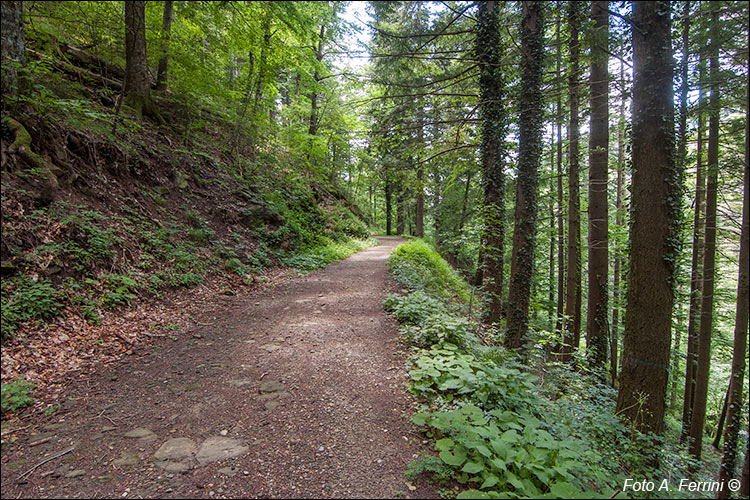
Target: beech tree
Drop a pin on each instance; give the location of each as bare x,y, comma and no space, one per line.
137,90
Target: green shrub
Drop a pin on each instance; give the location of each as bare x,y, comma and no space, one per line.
25,299
15,395
414,308
320,256
417,266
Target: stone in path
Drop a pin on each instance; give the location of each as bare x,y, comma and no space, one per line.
140,433
126,460
272,386
270,347
217,448
175,455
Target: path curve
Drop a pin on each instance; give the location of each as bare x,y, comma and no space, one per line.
304,378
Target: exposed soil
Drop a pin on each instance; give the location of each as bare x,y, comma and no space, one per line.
295,390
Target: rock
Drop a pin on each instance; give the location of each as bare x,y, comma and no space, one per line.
240,382
126,460
229,471
214,449
75,473
108,428
175,455
140,433
270,347
103,479
271,405
180,467
175,449
224,432
272,386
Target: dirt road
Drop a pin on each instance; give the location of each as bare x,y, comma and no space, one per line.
297,390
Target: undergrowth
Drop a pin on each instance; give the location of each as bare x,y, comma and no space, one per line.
506,427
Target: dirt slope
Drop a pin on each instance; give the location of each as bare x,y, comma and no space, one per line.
295,391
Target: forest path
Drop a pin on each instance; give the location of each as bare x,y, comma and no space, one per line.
295,391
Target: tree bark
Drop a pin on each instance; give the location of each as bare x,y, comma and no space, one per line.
572,323
313,128
722,417
529,153
615,342
597,329
12,47
560,206
493,117
696,276
166,28
137,86
654,223
739,355
388,204
709,258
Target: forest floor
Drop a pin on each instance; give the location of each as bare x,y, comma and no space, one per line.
296,389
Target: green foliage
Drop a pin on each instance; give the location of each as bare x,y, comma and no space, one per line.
414,308
416,265
15,395
120,290
321,256
24,299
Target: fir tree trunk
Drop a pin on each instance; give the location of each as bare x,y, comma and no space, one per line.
560,202
696,277
493,117
739,355
614,344
572,326
597,330
709,258
654,223
529,154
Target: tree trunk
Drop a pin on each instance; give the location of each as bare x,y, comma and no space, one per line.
615,342
572,323
493,117
696,277
722,417
709,258
313,128
12,47
597,330
419,208
529,153
388,204
400,209
739,355
137,86
560,206
654,223
166,28
551,207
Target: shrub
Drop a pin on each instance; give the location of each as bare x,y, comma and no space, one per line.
413,309
417,266
15,395
29,299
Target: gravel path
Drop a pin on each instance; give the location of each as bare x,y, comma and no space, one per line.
297,390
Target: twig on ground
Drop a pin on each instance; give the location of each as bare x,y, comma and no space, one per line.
48,459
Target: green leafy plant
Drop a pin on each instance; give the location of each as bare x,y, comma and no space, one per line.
15,395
